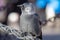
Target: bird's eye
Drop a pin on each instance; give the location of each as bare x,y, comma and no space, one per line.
27,8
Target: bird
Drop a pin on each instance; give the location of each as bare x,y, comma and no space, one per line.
29,21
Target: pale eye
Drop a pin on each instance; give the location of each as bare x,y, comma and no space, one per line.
28,8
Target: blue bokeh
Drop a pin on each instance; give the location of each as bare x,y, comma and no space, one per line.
54,3
41,3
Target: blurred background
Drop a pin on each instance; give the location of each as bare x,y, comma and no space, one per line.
48,11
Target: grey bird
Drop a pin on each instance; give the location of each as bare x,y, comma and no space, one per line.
29,21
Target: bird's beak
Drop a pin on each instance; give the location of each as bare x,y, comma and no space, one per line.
21,6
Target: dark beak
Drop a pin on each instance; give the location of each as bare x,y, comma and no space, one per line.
21,6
